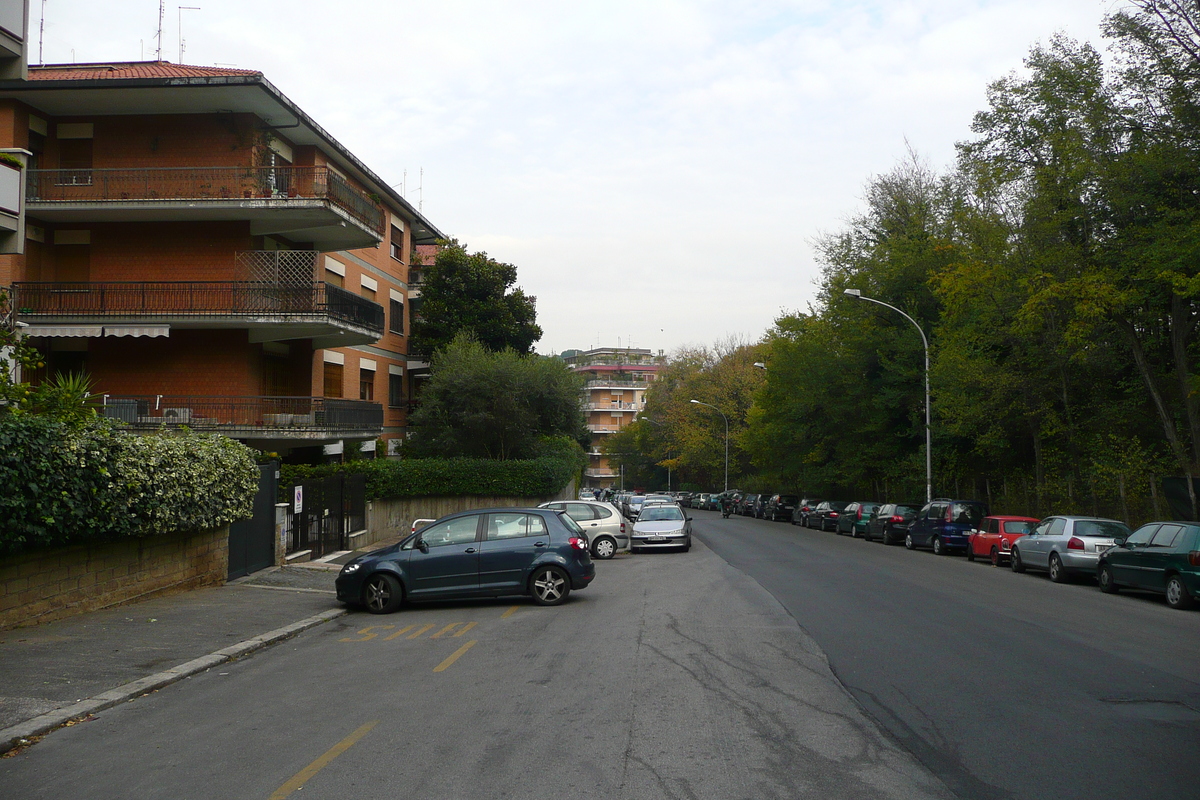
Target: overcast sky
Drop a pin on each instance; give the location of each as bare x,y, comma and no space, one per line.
655,170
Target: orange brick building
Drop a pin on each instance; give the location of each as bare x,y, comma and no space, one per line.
210,256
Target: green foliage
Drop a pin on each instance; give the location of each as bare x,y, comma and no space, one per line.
64,483
470,293
556,462
483,404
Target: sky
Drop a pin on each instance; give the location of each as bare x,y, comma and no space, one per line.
657,170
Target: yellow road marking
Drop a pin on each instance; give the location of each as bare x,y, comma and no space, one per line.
464,630
454,656
398,633
367,633
301,777
419,631
509,613
445,630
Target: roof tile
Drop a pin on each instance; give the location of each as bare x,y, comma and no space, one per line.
130,71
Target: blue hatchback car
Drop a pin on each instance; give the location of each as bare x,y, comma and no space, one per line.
490,552
945,525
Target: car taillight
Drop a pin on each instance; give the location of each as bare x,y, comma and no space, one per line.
833,513
577,543
859,515
1005,544
622,527
1194,558
896,518
1075,543
949,516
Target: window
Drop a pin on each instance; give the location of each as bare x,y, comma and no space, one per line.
334,279
456,531
368,293
580,511
1166,536
1057,527
397,244
1142,535
334,374
366,384
514,526
75,159
396,316
396,391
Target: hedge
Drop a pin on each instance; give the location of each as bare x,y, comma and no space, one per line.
425,477
66,484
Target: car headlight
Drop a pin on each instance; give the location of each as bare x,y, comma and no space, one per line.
349,568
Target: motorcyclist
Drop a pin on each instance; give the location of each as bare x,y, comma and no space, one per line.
726,506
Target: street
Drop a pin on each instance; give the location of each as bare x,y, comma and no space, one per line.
707,674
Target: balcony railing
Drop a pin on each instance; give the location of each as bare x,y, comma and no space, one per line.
252,417
614,406
196,299
76,186
620,383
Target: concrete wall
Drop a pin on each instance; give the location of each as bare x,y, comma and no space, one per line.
52,584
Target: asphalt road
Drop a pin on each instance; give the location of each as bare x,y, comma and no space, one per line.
673,676
1003,685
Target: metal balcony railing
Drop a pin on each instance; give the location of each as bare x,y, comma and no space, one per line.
614,406
276,416
196,299
75,186
620,383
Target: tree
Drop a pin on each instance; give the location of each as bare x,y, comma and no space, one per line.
495,405
469,293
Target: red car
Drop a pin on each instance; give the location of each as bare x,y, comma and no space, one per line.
995,535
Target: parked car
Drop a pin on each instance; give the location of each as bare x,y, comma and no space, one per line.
781,506
700,501
759,510
804,508
855,519
479,553
825,515
889,523
661,526
634,505
995,535
602,522
745,505
1159,557
944,525
1067,545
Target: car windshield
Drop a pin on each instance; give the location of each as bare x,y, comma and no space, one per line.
1016,526
658,513
1102,529
966,514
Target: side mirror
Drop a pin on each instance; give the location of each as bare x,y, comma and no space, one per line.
424,548
689,519
1119,542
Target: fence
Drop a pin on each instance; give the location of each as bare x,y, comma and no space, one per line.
330,510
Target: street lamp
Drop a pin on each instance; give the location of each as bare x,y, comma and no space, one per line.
928,440
722,413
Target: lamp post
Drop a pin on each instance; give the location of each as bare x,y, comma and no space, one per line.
722,413
928,439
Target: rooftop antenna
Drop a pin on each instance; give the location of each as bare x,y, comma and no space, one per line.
421,189
182,41
162,7
42,34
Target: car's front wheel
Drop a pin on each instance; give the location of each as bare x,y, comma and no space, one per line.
1177,594
1014,561
382,594
550,586
605,547
909,543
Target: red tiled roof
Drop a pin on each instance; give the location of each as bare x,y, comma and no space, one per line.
136,69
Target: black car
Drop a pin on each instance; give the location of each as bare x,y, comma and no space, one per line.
889,524
480,553
825,515
781,506
745,505
804,509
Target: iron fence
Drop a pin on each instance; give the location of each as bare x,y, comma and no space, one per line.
274,416
61,186
332,508
197,299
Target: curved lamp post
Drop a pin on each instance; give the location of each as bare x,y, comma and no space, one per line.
928,440
722,413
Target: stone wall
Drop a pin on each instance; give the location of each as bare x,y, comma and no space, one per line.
52,584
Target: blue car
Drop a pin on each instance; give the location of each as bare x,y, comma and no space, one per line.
492,552
945,525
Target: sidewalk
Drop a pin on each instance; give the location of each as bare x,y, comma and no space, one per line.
52,673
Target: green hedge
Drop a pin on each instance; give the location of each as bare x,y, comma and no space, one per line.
424,477
67,484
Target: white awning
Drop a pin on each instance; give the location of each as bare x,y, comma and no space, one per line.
62,330
137,330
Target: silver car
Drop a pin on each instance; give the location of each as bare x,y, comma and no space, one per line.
661,525
1066,545
602,522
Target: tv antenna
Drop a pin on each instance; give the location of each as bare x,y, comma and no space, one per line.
42,34
162,7
182,41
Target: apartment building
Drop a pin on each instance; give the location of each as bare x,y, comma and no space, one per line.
210,256
615,392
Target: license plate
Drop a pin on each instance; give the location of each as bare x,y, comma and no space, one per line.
653,539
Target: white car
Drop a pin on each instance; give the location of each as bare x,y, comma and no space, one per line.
661,525
602,522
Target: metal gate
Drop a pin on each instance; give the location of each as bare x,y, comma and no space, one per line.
252,541
332,508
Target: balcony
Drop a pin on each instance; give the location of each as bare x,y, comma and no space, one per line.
604,428
601,473
330,316
294,420
617,383
308,204
614,406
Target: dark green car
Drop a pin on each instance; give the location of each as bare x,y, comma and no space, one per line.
1160,557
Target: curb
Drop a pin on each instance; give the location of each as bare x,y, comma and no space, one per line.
20,733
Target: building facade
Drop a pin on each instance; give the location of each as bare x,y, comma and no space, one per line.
615,386
210,256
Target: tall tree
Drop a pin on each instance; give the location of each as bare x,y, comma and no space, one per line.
471,293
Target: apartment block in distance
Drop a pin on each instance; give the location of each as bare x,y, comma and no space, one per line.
210,256
615,392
